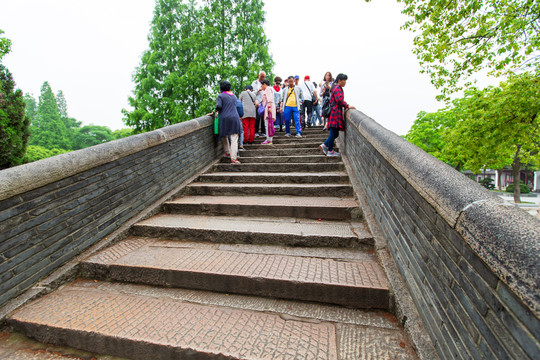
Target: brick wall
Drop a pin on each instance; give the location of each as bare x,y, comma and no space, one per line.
470,262
54,209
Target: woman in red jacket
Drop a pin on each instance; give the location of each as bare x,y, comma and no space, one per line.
335,121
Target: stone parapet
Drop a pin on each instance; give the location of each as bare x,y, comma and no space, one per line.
471,262
54,209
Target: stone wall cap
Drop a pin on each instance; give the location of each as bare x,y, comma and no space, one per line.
23,178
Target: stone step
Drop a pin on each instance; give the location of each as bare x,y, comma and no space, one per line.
352,283
311,159
280,167
336,177
231,189
279,152
327,208
141,322
291,145
257,230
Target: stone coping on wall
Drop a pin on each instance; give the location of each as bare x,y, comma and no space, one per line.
505,237
23,178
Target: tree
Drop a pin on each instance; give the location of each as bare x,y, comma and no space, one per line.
459,38
122,133
14,125
499,126
5,45
192,48
49,131
90,135
71,124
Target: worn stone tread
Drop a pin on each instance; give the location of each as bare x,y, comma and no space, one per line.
354,333
243,189
359,283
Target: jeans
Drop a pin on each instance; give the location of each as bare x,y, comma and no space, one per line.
332,136
307,105
316,114
288,112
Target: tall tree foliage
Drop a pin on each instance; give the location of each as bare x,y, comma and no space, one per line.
493,127
49,130
5,45
191,48
14,125
457,38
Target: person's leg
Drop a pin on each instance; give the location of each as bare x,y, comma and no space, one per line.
225,142
245,129
234,147
287,113
296,115
241,138
251,129
262,128
257,123
309,110
333,134
303,114
268,125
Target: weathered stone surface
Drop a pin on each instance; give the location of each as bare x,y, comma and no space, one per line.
345,282
280,167
339,177
228,189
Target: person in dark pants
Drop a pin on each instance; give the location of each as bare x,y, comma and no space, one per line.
336,121
307,106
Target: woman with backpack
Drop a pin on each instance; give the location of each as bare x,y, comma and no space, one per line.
326,88
269,111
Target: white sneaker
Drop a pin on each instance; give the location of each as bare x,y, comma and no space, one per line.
333,153
287,135
324,149
298,135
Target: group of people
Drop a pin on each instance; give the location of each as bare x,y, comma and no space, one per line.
261,108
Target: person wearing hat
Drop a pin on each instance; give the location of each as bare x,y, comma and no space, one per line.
310,97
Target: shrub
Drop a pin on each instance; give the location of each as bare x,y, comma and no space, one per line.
522,187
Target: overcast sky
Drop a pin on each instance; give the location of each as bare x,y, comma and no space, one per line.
89,50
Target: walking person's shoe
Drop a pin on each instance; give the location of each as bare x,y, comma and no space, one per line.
298,135
266,142
324,149
227,155
241,148
333,153
256,135
287,134
235,161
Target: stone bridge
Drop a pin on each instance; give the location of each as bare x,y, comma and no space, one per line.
152,247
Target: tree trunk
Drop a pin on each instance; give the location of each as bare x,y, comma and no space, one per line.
516,168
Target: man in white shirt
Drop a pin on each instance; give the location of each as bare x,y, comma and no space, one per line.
310,95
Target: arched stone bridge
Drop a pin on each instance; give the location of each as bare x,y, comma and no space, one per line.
152,247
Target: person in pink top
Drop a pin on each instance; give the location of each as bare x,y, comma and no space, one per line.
269,112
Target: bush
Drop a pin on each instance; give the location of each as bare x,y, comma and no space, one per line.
35,153
487,183
522,187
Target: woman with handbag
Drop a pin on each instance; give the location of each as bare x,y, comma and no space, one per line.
326,87
269,111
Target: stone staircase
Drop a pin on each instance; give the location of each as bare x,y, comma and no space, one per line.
269,259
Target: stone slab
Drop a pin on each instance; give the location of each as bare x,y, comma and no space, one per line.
339,177
314,207
276,231
143,327
358,283
289,159
281,167
242,189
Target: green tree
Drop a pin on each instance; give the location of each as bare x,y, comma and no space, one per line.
192,48
35,153
71,124
5,45
499,126
50,131
458,38
14,124
90,135
122,133
31,109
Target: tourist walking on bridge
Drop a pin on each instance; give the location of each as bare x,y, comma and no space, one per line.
259,119
229,121
309,99
269,111
336,121
290,107
278,91
248,120
326,88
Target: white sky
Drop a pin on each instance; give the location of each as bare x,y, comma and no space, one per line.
89,50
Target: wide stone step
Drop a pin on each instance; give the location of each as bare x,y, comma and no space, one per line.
280,167
280,152
354,283
141,322
290,145
327,208
336,177
231,189
257,230
311,159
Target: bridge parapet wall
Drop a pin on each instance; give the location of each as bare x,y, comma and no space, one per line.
54,209
470,262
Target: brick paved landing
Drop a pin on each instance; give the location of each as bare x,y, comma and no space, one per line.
358,283
134,321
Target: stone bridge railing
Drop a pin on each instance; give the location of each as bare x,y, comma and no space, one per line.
470,262
54,209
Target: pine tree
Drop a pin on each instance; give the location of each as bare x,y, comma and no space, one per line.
51,131
14,124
